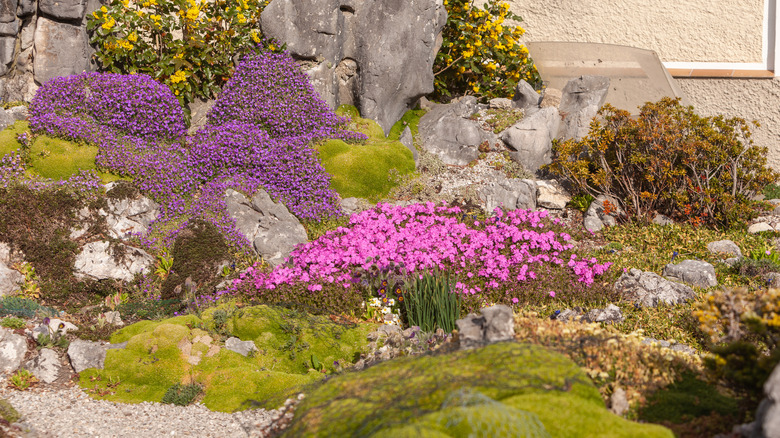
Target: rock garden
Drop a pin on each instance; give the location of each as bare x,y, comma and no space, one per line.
276,229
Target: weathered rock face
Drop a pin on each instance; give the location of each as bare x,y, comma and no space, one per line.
272,229
375,54
447,132
582,98
724,247
10,279
530,140
495,324
650,289
86,354
13,347
509,194
63,10
46,366
61,49
603,211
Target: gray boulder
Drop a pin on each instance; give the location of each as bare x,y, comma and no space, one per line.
510,194
13,347
26,8
530,140
618,402
611,313
681,348
8,10
199,109
767,422
525,96
448,132
88,354
63,10
693,272
10,279
598,216
100,260
759,227
407,140
660,219
7,47
46,366
724,247
650,289
375,54
495,324
241,347
272,229
581,99
61,49
500,103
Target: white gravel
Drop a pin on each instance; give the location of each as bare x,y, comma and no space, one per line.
71,413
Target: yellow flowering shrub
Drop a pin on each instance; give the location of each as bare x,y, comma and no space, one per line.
189,45
481,53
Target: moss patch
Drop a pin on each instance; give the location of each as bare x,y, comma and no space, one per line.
420,396
366,170
8,141
153,362
197,252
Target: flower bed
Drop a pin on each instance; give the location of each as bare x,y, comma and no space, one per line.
512,257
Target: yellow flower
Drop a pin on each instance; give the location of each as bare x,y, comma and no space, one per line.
179,76
475,88
103,9
156,18
109,24
133,37
125,3
241,18
255,36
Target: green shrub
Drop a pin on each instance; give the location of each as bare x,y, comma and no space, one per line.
186,44
480,53
181,395
669,160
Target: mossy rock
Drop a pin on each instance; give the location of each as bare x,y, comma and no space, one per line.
511,385
8,412
198,251
153,360
52,157
366,170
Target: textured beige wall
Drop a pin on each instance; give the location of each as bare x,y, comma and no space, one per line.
678,30
751,99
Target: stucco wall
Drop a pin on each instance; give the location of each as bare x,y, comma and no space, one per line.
678,30
751,99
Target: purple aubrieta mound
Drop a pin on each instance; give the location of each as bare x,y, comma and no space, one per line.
73,106
270,90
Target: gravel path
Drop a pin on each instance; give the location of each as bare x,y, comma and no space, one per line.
69,412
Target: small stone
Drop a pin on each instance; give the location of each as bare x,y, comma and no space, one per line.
726,247
241,347
759,228
693,272
618,401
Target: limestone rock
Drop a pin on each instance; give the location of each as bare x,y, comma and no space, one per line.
500,103
61,49
530,140
241,347
603,210
693,272
767,423
551,98
60,327
495,324
447,132
525,96
407,140
582,97
86,354
618,402
63,10
551,195
661,219
650,289
7,47
611,313
128,215
724,247
8,10
510,194
26,8
13,347
46,366
272,229
760,228
100,261
198,111
375,54
10,279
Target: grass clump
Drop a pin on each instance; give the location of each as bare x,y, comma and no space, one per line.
181,395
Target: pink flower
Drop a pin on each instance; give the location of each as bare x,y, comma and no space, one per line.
515,301
552,294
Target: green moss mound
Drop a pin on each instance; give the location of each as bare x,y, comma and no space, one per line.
155,359
367,170
51,157
198,251
686,399
484,392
